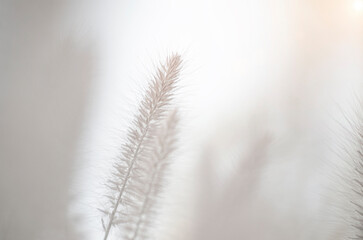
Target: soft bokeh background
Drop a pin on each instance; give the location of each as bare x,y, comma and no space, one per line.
72,72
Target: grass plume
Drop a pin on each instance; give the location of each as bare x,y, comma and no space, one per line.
357,176
131,176
164,146
352,173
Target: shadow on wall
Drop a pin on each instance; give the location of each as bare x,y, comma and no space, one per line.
43,88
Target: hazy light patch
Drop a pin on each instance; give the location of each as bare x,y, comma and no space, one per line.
358,5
